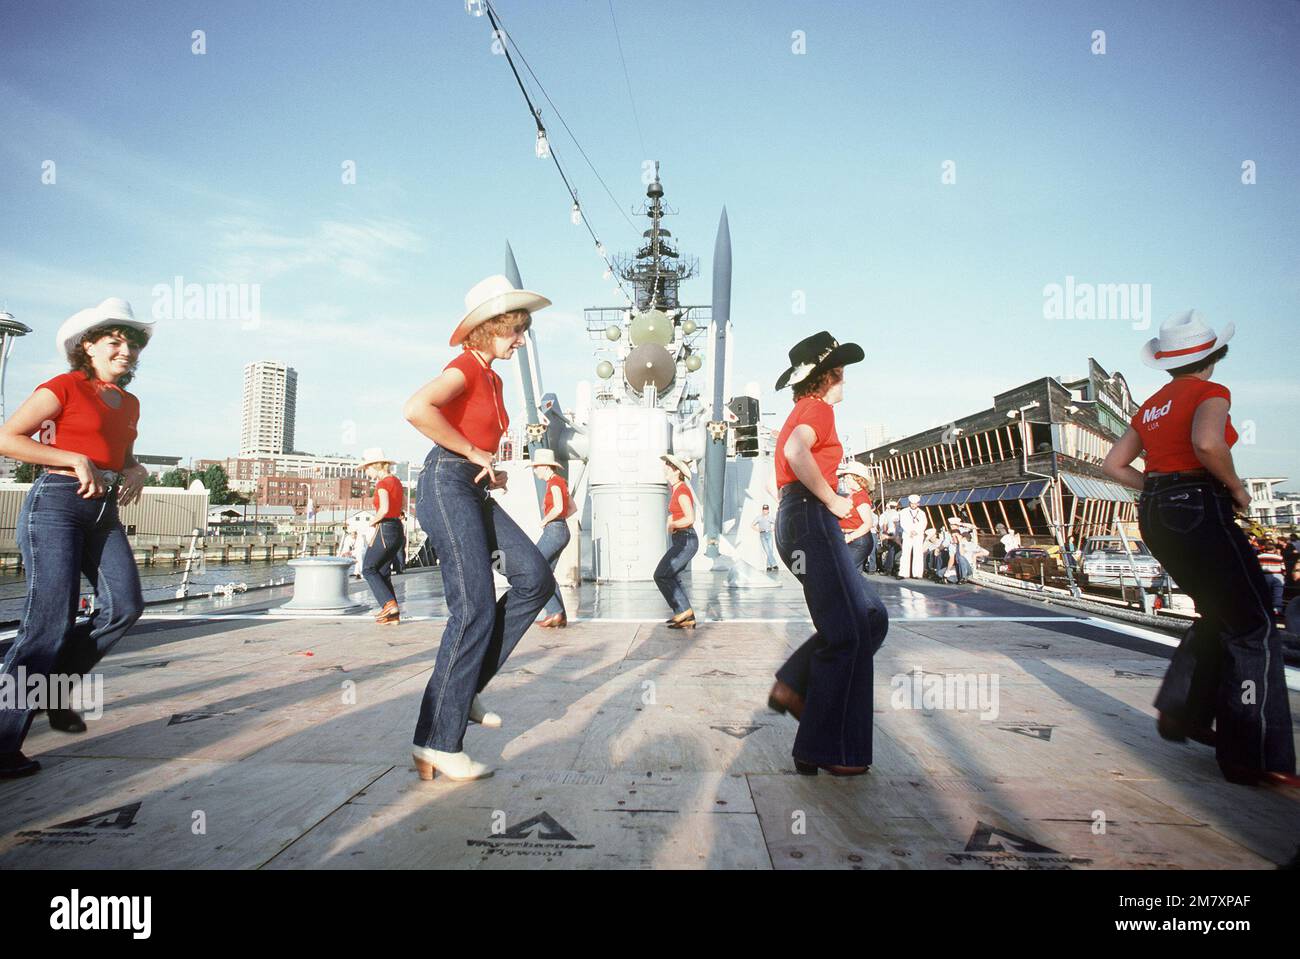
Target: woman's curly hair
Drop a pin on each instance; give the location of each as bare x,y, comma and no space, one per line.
480,338
79,359
818,383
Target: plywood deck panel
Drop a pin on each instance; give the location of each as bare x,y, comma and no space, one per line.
645,746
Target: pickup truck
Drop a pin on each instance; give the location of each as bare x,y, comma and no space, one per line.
1106,565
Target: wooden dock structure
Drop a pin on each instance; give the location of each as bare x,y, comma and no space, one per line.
235,739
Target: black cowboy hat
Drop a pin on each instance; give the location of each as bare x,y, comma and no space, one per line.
819,352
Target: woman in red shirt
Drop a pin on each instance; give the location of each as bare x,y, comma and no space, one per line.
463,412
389,536
826,684
85,423
860,522
1190,493
557,507
682,542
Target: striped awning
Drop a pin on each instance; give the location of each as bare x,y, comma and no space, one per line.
1085,487
984,494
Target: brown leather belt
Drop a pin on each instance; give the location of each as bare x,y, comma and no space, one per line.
111,478
1189,474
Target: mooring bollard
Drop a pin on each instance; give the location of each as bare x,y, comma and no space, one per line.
320,587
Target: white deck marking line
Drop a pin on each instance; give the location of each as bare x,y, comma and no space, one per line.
1130,630
1292,673
361,617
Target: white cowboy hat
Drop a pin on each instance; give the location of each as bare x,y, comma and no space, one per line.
114,310
854,468
1184,339
683,466
492,297
373,455
545,457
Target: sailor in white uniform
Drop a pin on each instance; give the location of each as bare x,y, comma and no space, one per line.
888,538
913,523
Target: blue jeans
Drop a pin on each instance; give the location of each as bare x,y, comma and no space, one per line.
1188,524
389,540
858,551
833,669
889,561
681,549
555,536
471,533
1277,587
766,539
62,537
961,567
870,539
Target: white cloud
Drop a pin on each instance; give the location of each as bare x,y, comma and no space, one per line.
251,252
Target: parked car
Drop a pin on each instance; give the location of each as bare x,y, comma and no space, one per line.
1106,565
1038,564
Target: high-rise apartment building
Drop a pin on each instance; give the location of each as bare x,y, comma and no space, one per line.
875,434
270,399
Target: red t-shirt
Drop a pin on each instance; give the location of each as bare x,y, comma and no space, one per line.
87,424
395,493
827,449
854,519
679,492
1165,423
479,412
557,491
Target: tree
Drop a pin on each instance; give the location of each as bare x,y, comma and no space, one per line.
176,477
25,473
218,484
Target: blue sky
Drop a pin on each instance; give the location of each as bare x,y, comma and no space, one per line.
226,167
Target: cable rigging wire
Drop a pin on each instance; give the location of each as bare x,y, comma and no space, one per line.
635,119
524,60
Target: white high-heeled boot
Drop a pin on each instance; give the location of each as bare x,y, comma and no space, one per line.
478,713
455,766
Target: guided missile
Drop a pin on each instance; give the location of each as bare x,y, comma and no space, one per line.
715,458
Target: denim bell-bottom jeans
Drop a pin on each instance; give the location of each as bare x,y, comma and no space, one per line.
832,671
471,534
555,536
766,539
1229,667
62,537
682,546
381,556
859,549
